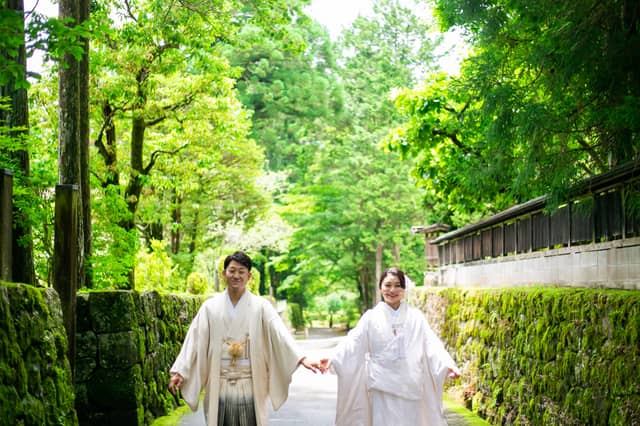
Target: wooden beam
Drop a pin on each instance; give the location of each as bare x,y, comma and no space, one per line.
6,234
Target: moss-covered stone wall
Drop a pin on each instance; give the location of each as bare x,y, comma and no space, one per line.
35,377
542,356
126,343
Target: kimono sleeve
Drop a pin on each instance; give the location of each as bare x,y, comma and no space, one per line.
283,356
439,362
349,363
192,362
439,358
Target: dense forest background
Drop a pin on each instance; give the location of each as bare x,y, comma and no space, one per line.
195,128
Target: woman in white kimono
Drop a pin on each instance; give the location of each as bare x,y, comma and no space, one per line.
392,367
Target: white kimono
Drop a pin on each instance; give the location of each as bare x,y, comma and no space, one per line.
273,354
391,370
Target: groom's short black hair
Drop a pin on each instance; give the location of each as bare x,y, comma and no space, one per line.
240,257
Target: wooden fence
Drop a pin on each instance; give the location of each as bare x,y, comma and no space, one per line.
604,208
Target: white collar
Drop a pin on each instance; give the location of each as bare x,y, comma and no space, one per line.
393,312
233,310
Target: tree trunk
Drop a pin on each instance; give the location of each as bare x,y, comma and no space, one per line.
363,282
176,216
18,117
396,253
6,222
84,129
153,231
69,175
193,244
134,188
108,151
379,249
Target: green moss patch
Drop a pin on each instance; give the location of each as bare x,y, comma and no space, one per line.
543,356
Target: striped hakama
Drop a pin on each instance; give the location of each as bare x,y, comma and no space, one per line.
235,406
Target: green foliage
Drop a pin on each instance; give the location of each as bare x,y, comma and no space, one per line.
469,417
358,197
337,308
547,97
160,76
12,39
32,194
197,283
294,92
542,355
295,316
114,247
172,418
156,271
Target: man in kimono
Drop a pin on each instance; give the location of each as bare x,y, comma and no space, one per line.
391,367
239,351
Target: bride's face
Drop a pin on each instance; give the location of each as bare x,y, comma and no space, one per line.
392,291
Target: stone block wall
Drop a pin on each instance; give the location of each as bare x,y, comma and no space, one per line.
126,343
35,378
542,356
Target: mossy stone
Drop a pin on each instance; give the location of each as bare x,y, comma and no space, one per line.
153,306
115,389
118,351
32,368
86,345
85,368
112,311
81,401
34,362
65,390
151,334
561,356
8,399
83,315
7,329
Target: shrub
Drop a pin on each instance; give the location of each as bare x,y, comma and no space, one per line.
295,316
197,283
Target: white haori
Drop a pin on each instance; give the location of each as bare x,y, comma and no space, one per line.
270,352
391,370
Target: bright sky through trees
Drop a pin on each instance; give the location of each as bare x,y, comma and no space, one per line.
336,15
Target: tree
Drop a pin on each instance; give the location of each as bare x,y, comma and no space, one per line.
362,201
291,86
548,97
212,184
14,129
151,67
84,138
